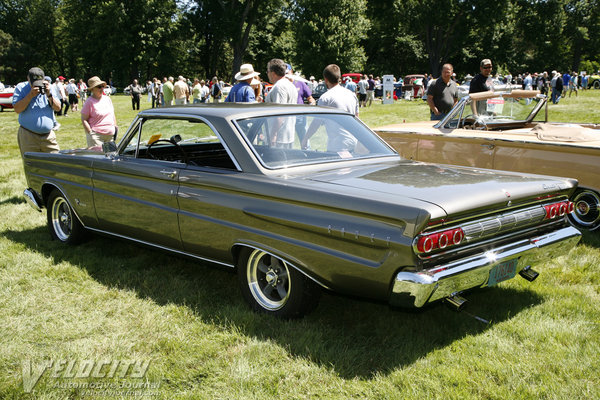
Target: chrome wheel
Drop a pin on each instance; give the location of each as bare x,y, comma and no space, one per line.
587,210
62,219
268,279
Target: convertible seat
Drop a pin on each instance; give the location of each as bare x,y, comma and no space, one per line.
566,133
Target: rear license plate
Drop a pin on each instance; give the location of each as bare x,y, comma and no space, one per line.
502,272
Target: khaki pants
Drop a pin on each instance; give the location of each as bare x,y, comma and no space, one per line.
96,139
31,141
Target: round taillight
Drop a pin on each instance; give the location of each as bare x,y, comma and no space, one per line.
443,241
571,207
458,236
553,211
427,244
562,209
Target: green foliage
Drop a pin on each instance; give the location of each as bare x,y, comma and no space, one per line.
330,32
123,39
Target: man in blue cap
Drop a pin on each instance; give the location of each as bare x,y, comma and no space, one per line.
34,103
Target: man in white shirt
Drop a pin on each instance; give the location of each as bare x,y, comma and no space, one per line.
282,133
336,96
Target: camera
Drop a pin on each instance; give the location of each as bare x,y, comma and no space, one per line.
42,89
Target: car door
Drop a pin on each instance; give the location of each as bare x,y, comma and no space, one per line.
135,195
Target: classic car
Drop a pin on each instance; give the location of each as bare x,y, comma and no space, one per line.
6,97
349,215
594,81
510,132
319,90
412,86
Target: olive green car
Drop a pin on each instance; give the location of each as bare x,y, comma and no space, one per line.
232,184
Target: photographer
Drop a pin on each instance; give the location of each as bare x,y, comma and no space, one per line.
34,103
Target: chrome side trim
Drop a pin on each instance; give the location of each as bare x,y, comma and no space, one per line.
415,289
32,199
160,247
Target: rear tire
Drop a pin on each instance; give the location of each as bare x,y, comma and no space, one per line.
597,84
587,210
62,221
272,286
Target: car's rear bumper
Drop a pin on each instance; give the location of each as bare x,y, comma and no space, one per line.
415,289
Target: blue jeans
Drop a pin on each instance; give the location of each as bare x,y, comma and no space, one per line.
555,96
437,117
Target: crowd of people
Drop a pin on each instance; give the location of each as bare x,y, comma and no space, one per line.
39,100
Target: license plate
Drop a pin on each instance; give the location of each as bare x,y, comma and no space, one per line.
502,272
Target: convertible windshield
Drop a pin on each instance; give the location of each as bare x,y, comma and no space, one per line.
290,140
491,110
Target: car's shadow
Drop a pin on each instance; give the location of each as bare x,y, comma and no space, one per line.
356,338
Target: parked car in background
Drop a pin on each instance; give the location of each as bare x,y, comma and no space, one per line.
412,86
594,81
347,215
6,98
352,75
110,90
319,90
510,132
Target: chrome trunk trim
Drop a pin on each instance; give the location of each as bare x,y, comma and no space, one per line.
415,289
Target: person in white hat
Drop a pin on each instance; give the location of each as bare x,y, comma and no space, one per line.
242,92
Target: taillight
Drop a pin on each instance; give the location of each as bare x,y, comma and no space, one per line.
557,210
440,240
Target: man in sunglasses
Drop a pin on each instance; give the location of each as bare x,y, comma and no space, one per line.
479,83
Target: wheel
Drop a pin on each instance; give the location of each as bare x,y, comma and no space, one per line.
272,286
587,209
62,221
597,84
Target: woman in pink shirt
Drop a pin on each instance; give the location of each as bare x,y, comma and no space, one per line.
98,114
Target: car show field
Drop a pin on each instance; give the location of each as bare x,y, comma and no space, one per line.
109,299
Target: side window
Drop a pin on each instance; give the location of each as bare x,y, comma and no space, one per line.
188,141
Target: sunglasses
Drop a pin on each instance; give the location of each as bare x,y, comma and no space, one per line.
487,67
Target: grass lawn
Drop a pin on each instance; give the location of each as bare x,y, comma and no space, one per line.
111,300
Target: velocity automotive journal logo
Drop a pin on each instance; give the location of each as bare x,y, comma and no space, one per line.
69,373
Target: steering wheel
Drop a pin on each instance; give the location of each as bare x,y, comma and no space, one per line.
171,141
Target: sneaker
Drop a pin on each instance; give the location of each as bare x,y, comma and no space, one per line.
56,126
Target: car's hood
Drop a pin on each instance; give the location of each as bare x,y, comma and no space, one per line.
453,188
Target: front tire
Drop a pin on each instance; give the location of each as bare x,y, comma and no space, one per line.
62,221
587,210
272,286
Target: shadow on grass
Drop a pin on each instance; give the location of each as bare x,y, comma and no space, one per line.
13,200
355,338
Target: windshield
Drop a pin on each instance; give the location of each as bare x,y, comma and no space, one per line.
489,111
290,140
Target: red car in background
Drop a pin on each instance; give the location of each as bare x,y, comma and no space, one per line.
354,76
6,97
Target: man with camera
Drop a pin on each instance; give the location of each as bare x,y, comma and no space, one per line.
35,104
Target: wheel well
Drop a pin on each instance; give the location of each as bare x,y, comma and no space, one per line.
47,188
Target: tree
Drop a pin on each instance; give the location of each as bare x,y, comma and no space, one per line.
330,32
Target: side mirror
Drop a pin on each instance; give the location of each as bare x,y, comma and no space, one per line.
109,147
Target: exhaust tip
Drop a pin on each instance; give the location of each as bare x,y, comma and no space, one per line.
529,274
456,302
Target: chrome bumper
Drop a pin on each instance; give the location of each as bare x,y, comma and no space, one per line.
32,199
415,289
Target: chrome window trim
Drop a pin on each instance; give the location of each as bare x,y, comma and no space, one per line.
260,160
178,117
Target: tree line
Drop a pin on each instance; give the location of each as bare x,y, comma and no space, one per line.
125,39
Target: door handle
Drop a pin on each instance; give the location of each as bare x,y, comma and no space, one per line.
489,146
170,174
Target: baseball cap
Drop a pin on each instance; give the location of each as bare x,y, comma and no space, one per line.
485,62
35,76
